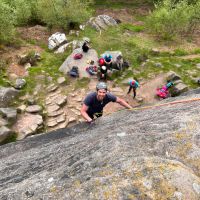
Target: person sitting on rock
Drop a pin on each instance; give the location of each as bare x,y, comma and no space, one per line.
85,46
94,102
108,60
133,84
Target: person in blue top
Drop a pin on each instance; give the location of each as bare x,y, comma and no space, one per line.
108,60
94,102
133,84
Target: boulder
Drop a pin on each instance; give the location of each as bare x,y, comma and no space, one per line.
33,109
3,122
56,40
20,83
7,95
80,63
102,22
63,47
9,113
178,89
172,76
158,65
198,65
4,133
21,109
61,80
28,124
155,52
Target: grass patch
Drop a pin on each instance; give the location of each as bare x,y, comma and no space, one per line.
82,83
133,28
9,139
180,52
47,67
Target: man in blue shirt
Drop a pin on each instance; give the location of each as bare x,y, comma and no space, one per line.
94,102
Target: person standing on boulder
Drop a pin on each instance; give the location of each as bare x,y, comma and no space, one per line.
133,84
94,102
85,46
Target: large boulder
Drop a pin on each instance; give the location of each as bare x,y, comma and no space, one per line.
102,22
28,124
56,40
7,95
80,63
149,153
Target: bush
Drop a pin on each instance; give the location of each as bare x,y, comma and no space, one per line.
61,13
7,21
171,19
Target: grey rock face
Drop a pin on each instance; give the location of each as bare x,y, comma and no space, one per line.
27,125
20,83
178,89
172,76
33,109
7,95
150,153
56,40
9,113
102,22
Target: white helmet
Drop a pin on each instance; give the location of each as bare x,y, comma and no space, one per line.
103,67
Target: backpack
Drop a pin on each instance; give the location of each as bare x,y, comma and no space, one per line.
78,56
74,72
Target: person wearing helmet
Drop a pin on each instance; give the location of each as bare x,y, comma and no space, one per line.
133,84
94,102
108,60
101,62
103,72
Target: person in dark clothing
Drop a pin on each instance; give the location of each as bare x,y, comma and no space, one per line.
94,102
133,85
108,60
85,47
103,72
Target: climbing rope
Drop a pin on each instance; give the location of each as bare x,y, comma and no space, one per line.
160,105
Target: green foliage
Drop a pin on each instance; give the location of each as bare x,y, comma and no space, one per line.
48,67
82,83
133,28
7,21
180,52
61,13
171,19
11,138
